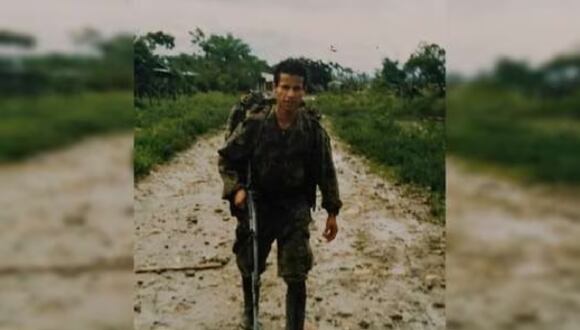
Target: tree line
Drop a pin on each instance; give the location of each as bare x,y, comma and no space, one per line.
216,63
105,66
226,63
557,77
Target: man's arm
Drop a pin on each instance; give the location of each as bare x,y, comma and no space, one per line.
327,181
328,184
231,177
231,161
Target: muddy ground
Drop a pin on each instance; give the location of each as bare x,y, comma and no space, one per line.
513,253
66,238
385,269
67,235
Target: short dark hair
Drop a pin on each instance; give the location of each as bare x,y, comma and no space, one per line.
290,66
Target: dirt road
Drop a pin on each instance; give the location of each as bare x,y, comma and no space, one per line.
385,270
67,235
66,238
512,254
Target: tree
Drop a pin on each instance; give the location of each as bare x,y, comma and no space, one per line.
114,69
561,75
425,69
515,74
345,78
146,62
319,74
392,77
225,62
18,39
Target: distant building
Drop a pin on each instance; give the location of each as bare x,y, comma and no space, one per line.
266,82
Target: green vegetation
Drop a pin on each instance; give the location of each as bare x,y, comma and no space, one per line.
538,137
48,100
218,63
405,135
170,126
520,119
395,118
34,124
106,68
423,70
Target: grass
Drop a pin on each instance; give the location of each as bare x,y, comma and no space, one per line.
165,128
402,136
34,124
405,136
537,138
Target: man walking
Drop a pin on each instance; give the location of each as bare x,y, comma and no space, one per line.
281,150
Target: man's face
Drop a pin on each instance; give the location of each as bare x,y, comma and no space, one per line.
289,92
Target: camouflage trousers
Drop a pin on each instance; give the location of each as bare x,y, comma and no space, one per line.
285,222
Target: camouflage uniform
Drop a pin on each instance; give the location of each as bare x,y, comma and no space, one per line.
287,165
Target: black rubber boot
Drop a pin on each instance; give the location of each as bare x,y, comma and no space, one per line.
295,305
248,314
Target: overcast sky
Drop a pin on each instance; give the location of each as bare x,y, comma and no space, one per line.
535,30
53,22
363,32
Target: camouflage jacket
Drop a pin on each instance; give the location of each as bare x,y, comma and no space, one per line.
285,163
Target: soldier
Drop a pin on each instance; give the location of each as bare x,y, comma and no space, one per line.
289,154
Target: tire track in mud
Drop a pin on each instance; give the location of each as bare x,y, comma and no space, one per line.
385,269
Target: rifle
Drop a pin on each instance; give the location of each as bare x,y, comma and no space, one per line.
254,237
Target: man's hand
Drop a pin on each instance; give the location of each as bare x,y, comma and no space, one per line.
240,199
331,228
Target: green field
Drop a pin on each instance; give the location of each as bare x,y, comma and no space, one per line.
32,124
405,137
170,126
535,139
